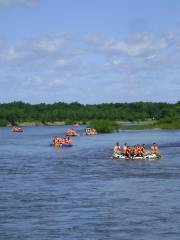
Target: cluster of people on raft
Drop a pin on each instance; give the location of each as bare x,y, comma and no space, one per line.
17,129
71,132
61,140
90,131
136,150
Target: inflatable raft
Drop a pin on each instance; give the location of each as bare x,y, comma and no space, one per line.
146,157
90,131
17,129
71,133
66,145
60,145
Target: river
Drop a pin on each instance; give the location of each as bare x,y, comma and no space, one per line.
80,193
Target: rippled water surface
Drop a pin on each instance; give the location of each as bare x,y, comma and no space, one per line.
80,193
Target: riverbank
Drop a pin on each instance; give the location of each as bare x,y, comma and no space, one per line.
161,124
106,126
46,114
31,124
114,125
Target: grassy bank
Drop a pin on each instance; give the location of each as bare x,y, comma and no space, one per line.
168,124
35,123
137,127
161,124
105,126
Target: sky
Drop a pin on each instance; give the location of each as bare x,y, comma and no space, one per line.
89,51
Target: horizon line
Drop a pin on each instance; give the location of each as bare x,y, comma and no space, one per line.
76,102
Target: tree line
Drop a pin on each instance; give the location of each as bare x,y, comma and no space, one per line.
18,112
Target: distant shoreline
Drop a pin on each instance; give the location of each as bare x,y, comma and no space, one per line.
63,123
33,124
126,115
122,125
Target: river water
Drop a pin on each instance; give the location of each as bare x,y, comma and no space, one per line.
81,193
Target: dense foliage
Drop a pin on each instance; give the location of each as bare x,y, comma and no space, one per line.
168,123
18,112
104,126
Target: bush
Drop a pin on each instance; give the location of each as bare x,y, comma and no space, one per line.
69,122
103,126
168,124
3,122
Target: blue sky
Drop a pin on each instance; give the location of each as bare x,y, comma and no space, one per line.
90,51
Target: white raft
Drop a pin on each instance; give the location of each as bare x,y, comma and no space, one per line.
152,156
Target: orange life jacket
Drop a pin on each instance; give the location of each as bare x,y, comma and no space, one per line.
132,150
66,140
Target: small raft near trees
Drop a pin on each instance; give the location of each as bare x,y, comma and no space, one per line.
90,131
17,129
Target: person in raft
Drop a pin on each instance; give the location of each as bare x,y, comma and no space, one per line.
155,150
145,151
117,148
126,150
55,140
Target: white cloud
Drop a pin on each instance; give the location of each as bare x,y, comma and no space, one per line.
135,45
6,3
63,62
49,44
56,82
57,50
151,56
11,55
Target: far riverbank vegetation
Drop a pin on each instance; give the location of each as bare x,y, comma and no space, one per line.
104,117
